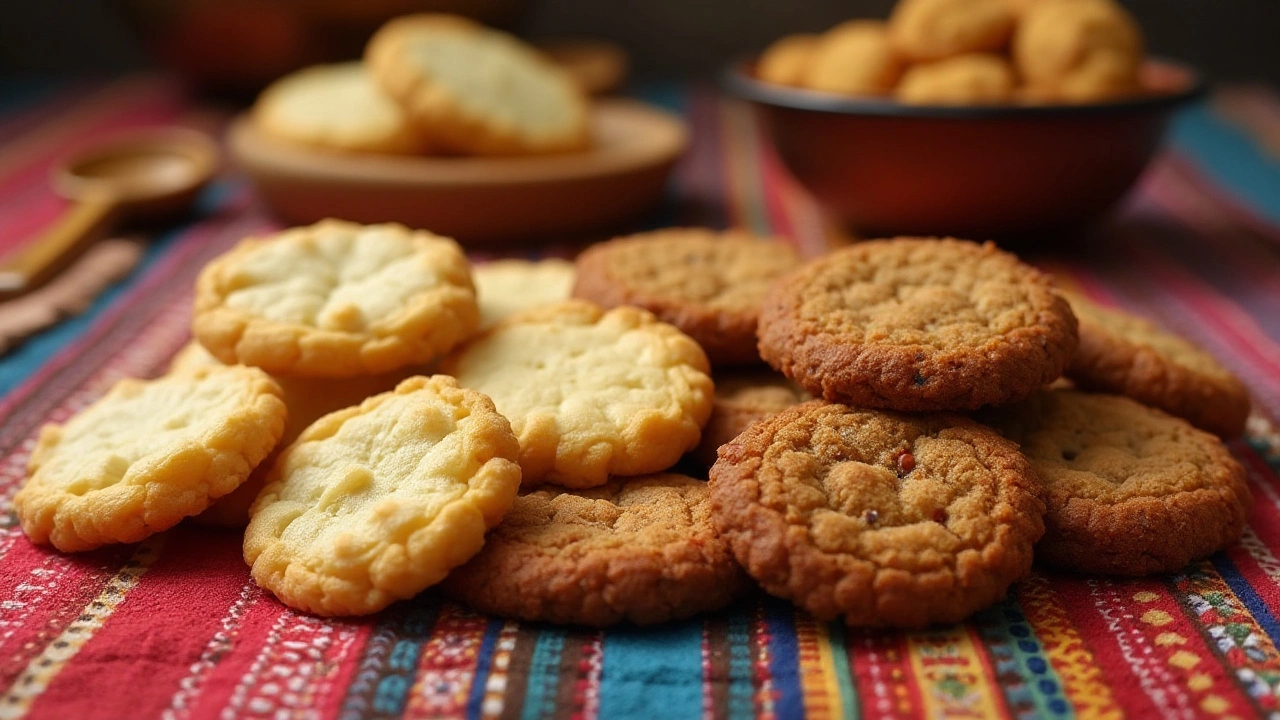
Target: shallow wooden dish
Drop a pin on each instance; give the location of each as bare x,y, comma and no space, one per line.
476,200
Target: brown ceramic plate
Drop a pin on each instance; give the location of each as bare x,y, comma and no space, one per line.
476,200
1007,171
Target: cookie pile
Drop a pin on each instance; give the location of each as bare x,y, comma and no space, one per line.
970,52
547,470
432,84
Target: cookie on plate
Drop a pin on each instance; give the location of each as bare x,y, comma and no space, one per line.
590,393
375,503
1128,355
853,58
146,455
884,520
973,79
1129,489
336,299
918,325
505,287
741,399
336,107
924,30
642,550
477,90
1081,51
784,62
709,284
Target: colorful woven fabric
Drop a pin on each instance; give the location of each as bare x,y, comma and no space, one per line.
174,628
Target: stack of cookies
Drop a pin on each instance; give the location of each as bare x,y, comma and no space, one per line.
551,467
432,84
970,52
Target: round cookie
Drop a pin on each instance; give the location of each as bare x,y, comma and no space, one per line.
707,283
505,287
924,30
335,299
336,107
853,58
1129,489
1078,51
784,62
917,325
884,520
477,90
1127,355
146,455
374,503
642,550
742,399
974,79
590,393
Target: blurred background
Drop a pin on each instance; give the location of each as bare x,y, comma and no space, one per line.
1231,40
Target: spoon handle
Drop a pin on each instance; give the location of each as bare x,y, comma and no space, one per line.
26,269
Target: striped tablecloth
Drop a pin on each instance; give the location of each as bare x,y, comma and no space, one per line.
173,627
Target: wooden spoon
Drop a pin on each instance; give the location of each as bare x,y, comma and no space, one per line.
144,173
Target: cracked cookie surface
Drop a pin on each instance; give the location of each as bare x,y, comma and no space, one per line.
640,549
917,325
709,284
589,392
1128,355
878,518
335,299
374,503
1129,489
148,454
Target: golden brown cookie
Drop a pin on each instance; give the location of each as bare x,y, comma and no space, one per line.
336,299
1078,51
707,283
924,30
642,550
917,325
973,79
148,454
374,503
882,519
476,90
1128,355
1129,489
853,58
785,61
741,399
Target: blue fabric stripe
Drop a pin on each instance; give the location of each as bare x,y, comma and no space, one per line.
1230,158
484,665
651,672
741,688
544,673
1252,602
784,659
18,92
1027,678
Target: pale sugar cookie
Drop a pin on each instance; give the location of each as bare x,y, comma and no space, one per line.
148,454
375,503
505,287
336,299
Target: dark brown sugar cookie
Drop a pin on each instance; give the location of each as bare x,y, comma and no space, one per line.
917,325
707,283
639,549
1128,355
878,518
1130,490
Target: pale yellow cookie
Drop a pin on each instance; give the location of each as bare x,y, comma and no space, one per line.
375,503
1078,51
335,107
785,61
148,454
923,30
478,90
590,393
505,287
973,79
336,299
853,58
